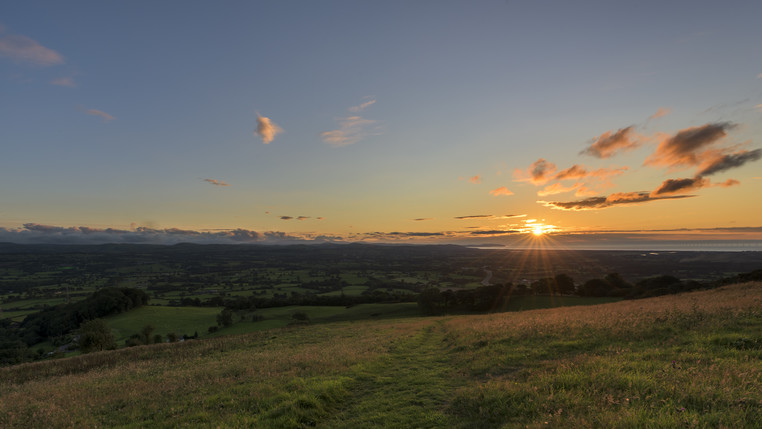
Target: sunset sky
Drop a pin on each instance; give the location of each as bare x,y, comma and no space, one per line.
387,121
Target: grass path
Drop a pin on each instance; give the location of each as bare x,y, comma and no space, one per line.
408,387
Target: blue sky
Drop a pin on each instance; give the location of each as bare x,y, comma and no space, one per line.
115,114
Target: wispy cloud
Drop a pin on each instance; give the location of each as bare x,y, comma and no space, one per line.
352,129
267,129
489,216
609,143
494,232
679,186
501,191
557,188
597,203
95,112
541,171
588,181
24,50
421,219
685,147
286,217
718,162
302,217
64,81
573,172
698,147
475,179
362,106
216,182
662,111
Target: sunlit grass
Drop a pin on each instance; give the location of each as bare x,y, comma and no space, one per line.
690,360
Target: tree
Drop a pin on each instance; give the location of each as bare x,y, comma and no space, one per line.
95,335
430,300
146,333
565,284
225,318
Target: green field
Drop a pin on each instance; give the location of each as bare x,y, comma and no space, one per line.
689,360
180,320
535,302
190,320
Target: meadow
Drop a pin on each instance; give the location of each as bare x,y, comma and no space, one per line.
686,360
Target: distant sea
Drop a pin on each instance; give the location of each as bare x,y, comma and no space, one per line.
662,246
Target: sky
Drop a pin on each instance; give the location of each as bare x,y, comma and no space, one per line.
584,123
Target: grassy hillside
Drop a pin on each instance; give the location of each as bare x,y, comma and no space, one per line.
691,360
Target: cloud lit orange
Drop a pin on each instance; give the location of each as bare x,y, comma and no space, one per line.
501,191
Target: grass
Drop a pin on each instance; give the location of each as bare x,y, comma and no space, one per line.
535,302
33,303
180,320
691,360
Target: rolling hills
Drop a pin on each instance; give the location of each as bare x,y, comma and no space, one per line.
692,360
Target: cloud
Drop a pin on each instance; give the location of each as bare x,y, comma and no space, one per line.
557,188
494,232
596,203
63,81
684,148
24,50
362,106
608,144
95,112
541,171
302,218
475,179
728,183
352,129
216,182
286,217
674,186
723,162
573,172
266,129
759,76
421,219
415,234
473,217
501,191
32,233
661,112
489,216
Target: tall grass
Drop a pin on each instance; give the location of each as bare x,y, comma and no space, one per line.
691,360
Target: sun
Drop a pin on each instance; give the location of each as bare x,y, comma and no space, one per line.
538,231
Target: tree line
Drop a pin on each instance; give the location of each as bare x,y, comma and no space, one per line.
59,323
496,297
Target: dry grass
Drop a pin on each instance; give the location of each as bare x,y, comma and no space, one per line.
692,360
